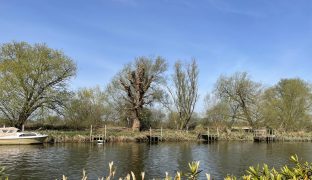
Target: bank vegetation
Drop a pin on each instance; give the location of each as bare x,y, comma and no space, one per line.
35,81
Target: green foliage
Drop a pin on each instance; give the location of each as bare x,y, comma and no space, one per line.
288,104
32,78
299,171
193,170
87,107
218,115
2,173
151,118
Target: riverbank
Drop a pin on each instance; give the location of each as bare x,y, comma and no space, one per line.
127,135
120,135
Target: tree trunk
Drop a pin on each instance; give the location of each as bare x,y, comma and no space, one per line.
21,121
136,124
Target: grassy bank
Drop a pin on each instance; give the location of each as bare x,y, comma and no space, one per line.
118,134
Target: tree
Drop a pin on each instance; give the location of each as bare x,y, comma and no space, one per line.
242,95
137,85
221,112
32,77
87,107
288,104
185,93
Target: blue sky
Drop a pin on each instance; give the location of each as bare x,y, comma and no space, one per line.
269,39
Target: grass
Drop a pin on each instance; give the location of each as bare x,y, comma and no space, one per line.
120,134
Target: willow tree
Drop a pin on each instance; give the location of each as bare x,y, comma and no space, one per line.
288,104
138,85
242,95
185,91
32,78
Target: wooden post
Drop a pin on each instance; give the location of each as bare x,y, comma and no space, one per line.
91,133
187,129
105,133
208,134
218,132
161,132
150,134
23,128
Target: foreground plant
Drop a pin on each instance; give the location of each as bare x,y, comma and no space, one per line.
2,173
299,171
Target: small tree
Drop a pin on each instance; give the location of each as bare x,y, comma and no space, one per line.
87,107
32,78
185,93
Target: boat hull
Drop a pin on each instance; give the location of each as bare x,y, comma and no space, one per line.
17,141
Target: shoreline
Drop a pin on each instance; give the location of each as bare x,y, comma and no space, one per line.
167,136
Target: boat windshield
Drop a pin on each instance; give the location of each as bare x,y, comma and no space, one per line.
27,134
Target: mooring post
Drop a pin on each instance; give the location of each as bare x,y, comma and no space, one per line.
150,134
208,134
23,128
187,129
218,132
105,133
161,132
91,133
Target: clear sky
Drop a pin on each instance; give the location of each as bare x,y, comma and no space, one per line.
270,39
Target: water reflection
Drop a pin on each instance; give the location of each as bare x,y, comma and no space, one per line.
219,159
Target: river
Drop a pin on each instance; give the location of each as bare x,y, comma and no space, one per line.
219,159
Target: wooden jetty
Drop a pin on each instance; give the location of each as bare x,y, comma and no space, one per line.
209,137
99,138
154,138
264,135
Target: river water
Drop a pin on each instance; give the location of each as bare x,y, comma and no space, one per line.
219,159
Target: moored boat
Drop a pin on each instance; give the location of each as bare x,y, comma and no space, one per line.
12,135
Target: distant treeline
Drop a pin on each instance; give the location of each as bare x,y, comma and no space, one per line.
34,82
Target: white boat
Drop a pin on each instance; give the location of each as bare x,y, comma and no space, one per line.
12,135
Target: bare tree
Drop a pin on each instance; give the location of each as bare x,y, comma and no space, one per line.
138,85
242,95
32,78
185,93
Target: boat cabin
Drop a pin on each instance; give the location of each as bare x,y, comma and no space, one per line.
8,131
